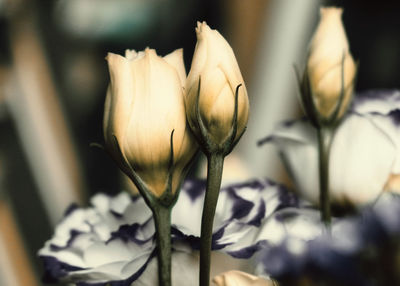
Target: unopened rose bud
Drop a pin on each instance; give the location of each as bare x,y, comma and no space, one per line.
144,106
215,65
330,66
235,278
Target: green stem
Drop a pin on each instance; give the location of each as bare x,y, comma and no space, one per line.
162,222
324,145
214,176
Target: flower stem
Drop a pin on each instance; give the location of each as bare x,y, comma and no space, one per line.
325,135
162,222
214,176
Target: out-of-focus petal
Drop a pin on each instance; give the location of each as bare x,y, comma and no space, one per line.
362,159
363,155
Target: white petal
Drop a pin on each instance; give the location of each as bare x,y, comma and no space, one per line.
302,224
297,144
361,160
134,265
377,101
101,253
103,273
392,129
188,224
138,212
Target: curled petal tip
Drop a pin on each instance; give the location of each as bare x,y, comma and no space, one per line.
114,60
108,56
200,24
130,54
148,54
201,28
149,50
198,28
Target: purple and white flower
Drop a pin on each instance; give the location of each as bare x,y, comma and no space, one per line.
365,152
113,240
110,241
360,250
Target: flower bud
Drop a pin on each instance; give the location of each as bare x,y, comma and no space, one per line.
330,65
234,277
144,105
215,65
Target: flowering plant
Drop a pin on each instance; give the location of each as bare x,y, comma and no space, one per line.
113,241
351,151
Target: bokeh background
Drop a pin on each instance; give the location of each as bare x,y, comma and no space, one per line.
53,78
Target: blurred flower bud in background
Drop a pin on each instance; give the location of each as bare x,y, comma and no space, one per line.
215,65
144,106
330,62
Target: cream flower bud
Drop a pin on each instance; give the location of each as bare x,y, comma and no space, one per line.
329,48
144,105
214,63
236,278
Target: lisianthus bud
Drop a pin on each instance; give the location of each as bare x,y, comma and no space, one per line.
144,106
330,65
234,278
214,64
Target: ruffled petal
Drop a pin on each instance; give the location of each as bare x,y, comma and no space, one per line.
100,244
113,240
351,254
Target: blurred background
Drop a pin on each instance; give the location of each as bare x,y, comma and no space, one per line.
53,78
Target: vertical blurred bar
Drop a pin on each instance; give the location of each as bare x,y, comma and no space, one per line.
14,263
243,24
7,273
33,101
273,87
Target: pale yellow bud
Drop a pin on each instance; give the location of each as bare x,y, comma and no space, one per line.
328,49
239,278
215,64
144,104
